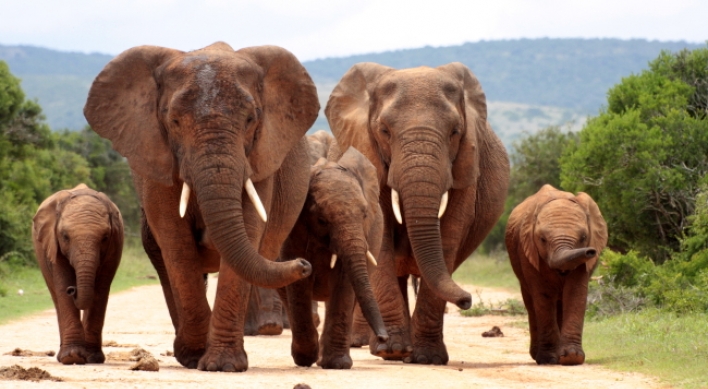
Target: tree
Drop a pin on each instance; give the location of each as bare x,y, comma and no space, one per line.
535,161
643,158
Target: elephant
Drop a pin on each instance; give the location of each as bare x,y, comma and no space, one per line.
554,239
215,142
78,240
338,231
426,132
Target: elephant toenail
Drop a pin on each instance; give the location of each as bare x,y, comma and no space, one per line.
407,359
397,347
422,359
229,367
437,361
212,367
409,349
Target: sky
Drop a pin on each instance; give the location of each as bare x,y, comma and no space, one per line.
314,29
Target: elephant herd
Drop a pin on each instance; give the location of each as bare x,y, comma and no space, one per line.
412,181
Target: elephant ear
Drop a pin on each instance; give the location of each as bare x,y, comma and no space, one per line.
464,168
44,225
598,227
290,107
348,110
533,206
122,107
116,219
365,172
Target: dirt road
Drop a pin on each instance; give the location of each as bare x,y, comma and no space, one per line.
139,317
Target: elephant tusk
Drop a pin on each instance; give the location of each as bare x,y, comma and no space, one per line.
253,195
443,205
184,199
333,261
396,206
371,258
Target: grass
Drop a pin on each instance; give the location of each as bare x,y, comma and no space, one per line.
671,347
662,344
135,269
493,271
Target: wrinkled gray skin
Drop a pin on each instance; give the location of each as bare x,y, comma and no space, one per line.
341,217
78,241
426,132
554,239
211,119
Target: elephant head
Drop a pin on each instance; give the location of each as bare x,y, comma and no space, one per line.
343,213
423,129
563,230
213,121
83,226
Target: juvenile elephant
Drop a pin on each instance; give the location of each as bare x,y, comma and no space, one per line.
266,314
214,139
426,132
78,241
554,239
339,230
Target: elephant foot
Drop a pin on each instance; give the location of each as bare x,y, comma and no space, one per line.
270,328
397,348
358,339
572,355
72,355
228,359
95,355
546,358
429,353
187,356
304,353
336,361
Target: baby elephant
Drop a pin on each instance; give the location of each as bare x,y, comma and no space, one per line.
554,240
78,241
338,231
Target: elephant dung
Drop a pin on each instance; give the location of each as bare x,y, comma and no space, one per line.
19,373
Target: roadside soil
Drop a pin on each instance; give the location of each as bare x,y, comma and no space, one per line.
139,318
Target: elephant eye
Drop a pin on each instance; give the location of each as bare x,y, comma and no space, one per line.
455,131
583,238
543,239
385,131
65,236
249,120
322,221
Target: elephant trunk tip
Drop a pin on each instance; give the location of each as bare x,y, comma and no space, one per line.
382,336
567,260
465,302
305,268
71,291
591,252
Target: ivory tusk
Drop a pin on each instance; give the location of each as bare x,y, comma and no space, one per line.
253,195
396,206
371,258
184,199
443,205
333,261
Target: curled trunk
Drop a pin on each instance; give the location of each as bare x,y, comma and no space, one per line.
218,186
566,260
421,204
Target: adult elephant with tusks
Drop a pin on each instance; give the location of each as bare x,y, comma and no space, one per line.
214,138
443,175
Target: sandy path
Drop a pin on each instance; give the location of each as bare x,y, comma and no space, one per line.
139,316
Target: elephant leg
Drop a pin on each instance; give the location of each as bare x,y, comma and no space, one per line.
337,325
224,348
269,315
384,282
305,347
574,300
361,332
93,318
155,255
72,349
533,325
250,327
427,328
545,307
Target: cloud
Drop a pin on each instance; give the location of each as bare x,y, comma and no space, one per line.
324,28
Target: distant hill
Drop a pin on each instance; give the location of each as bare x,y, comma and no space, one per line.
533,82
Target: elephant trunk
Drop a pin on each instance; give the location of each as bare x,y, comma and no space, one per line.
566,260
355,265
218,185
421,205
85,267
